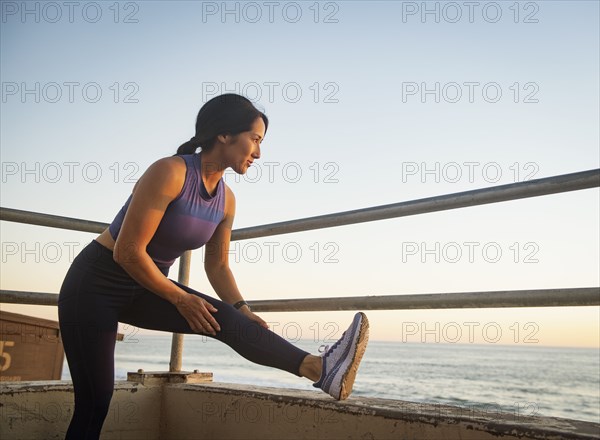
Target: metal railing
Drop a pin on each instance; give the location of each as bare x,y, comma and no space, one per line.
586,296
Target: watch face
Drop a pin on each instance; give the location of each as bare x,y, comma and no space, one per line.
239,304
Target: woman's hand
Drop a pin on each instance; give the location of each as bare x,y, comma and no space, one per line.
197,312
246,311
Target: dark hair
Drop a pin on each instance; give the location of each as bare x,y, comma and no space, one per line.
224,114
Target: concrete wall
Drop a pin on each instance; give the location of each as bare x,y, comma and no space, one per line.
232,411
36,410
42,410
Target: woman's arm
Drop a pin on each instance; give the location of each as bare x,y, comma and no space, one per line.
159,185
216,260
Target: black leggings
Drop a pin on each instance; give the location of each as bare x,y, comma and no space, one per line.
97,293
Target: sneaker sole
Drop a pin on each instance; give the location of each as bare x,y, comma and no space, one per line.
361,345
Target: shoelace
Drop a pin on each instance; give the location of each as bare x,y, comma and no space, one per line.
324,349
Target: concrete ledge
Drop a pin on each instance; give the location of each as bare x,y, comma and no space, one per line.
43,409
236,411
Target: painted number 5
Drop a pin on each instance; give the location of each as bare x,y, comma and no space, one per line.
6,356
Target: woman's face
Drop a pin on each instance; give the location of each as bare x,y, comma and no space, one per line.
244,148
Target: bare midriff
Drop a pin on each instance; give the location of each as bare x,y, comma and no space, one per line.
106,240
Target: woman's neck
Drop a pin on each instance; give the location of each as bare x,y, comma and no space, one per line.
212,169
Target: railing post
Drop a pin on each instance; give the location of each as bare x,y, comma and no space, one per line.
177,341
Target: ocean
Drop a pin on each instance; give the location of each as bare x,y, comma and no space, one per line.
522,380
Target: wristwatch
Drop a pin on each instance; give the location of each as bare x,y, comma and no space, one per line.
241,303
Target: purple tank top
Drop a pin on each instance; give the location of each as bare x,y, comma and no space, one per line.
189,220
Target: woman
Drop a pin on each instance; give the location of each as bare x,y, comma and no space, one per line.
180,203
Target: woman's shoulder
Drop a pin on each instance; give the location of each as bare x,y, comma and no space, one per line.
228,191
229,200
172,161
175,166
229,196
167,171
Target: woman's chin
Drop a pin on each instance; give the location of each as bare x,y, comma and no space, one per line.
241,168
241,171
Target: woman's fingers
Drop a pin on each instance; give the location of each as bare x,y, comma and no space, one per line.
256,318
201,325
209,306
207,327
206,311
197,312
261,321
202,310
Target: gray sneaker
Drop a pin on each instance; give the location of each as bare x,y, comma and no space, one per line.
340,362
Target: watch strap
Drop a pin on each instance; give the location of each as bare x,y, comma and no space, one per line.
239,304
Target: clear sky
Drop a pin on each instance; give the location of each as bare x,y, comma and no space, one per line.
369,103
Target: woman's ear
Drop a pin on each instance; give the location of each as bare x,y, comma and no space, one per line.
222,138
227,137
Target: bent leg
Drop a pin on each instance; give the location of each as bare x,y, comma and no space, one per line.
246,337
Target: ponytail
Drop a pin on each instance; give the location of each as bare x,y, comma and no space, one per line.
188,147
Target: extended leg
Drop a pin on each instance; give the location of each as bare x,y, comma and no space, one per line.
246,337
